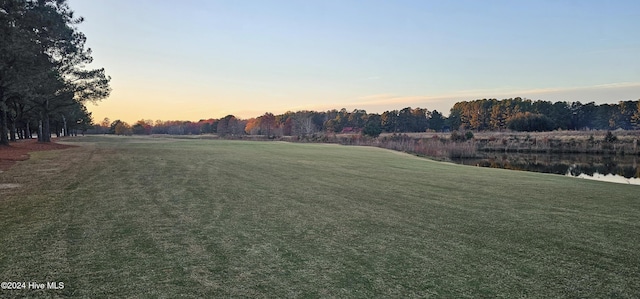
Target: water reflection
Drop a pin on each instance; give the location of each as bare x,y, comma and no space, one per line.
607,168
613,178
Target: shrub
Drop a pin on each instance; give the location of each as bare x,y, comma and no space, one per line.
456,136
372,128
459,137
610,138
468,135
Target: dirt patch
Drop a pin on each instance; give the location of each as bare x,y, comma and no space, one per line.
19,151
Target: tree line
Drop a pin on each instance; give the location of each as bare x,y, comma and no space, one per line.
300,123
525,115
44,79
480,115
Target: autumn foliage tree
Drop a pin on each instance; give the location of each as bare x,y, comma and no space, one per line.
253,126
267,123
635,118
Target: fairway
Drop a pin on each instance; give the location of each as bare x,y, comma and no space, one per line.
169,218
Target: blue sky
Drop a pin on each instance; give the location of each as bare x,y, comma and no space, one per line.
191,60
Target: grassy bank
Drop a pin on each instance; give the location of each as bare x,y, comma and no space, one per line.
161,217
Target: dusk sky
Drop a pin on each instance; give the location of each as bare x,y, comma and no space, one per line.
191,60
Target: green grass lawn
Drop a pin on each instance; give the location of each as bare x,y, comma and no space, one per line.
142,217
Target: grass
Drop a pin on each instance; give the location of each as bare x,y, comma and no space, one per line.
170,218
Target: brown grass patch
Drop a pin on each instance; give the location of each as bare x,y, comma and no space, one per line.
19,151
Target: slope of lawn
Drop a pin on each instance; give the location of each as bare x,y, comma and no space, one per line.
143,217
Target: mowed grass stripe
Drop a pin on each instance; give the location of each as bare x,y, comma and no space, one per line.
201,218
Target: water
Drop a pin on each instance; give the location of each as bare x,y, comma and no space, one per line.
612,178
618,169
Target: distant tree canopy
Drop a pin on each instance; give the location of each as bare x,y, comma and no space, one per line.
526,115
43,79
510,114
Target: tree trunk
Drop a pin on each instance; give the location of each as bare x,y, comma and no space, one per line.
40,130
3,127
12,131
46,128
65,131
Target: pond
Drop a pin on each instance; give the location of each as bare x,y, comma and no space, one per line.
619,169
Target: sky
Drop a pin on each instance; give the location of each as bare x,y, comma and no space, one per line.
200,59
